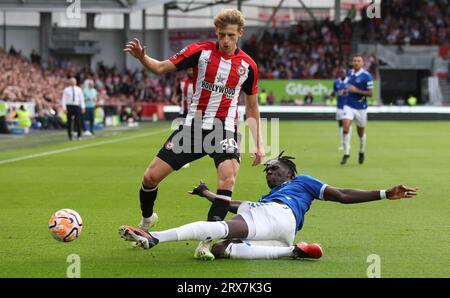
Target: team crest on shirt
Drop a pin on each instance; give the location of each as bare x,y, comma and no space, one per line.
240,70
169,145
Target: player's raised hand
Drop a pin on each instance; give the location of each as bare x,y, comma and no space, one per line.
135,48
199,189
401,192
259,155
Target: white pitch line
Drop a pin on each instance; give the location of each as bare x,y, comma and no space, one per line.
78,147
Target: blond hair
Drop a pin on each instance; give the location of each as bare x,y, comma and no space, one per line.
229,16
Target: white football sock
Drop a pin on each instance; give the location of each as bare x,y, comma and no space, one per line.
341,136
247,251
362,143
200,230
347,143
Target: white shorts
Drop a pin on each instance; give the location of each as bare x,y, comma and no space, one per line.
359,116
269,224
339,114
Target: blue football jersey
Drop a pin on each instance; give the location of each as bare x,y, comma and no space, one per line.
298,194
338,86
363,81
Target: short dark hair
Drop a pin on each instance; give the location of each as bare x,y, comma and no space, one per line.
286,160
357,55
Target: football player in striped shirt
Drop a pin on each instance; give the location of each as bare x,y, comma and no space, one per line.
183,93
221,71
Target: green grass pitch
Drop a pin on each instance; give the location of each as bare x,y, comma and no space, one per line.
101,183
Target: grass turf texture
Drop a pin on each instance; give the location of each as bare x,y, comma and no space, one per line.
102,183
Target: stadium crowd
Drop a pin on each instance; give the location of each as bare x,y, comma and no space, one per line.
305,51
410,22
21,80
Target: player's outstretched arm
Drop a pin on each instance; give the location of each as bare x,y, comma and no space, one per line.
352,196
203,191
135,48
254,123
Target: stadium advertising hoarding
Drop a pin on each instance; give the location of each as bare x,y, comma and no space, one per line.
292,90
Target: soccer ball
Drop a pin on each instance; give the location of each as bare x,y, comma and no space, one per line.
65,225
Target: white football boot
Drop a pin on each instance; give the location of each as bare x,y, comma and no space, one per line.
147,223
202,251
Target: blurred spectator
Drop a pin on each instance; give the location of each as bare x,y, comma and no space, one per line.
90,100
270,98
25,80
263,97
12,51
23,117
309,99
73,104
35,57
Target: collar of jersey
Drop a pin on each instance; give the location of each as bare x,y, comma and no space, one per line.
357,73
280,186
224,55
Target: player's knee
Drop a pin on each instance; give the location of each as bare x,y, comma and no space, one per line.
346,129
218,249
227,182
151,178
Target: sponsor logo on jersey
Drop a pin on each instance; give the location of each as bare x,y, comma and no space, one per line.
179,53
229,92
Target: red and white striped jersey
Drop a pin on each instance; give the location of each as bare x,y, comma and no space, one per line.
217,81
185,90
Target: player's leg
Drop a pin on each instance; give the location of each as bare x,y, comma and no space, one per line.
236,249
346,126
200,230
69,122
339,115
347,119
361,122
153,175
227,171
341,135
271,233
362,144
172,156
78,121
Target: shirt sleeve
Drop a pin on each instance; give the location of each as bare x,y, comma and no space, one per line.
187,57
63,100
369,84
314,186
250,85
